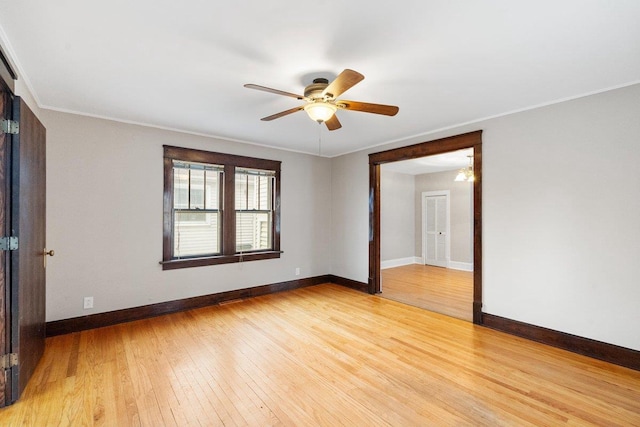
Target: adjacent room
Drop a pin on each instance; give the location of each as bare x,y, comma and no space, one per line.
328,213
427,232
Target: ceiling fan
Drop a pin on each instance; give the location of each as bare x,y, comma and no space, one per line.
322,103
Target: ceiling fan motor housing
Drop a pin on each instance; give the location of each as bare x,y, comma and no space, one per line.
315,89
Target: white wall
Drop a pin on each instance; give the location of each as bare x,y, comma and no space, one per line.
397,216
561,203
350,216
104,218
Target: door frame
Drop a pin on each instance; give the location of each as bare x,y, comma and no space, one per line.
429,148
447,238
6,112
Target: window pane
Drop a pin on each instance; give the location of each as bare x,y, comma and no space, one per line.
196,233
212,188
242,181
263,192
196,195
253,231
253,190
181,188
196,186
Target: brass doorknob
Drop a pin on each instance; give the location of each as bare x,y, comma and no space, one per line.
44,256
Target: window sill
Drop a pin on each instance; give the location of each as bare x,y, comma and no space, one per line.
220,259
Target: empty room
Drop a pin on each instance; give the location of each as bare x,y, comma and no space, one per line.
320,213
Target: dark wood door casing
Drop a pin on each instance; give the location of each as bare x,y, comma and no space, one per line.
429,148
7,75
5,337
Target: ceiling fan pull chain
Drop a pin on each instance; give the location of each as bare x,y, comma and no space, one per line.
319,139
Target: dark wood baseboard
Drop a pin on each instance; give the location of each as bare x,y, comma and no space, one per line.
597,349
76,324
353,284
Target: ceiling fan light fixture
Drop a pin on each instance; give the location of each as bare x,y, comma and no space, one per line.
320,111
321,100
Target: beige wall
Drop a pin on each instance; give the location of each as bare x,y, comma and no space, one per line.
459,216
104,218
397,216
560,232
401,215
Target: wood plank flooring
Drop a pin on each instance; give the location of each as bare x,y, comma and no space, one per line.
322,355
437,289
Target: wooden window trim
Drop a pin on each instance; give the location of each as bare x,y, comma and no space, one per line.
228,228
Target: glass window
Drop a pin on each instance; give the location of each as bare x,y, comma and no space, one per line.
254,209
196,220
198,230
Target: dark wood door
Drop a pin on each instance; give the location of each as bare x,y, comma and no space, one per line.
28,163
5,144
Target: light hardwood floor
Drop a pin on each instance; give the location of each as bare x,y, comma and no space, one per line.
322,355
437,289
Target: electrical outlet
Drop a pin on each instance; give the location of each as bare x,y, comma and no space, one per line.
88,302
297,271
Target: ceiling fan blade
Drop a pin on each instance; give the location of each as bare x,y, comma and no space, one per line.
270,90
345,81
365,107
281,114
333,123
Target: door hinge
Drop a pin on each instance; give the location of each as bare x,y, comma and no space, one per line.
10,126
8,243
7,361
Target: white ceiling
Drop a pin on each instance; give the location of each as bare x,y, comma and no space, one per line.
453,160
182,65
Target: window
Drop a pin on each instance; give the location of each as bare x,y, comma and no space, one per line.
219,208
196,209
254,201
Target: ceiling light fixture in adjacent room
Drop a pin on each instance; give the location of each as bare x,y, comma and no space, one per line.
466,174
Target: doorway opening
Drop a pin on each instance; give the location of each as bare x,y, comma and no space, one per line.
426,249
440,234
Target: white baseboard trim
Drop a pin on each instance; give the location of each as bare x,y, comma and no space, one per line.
399,262
464,266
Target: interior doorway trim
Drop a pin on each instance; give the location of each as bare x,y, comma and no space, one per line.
429,148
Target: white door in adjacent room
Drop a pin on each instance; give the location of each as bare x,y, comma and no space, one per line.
435,228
